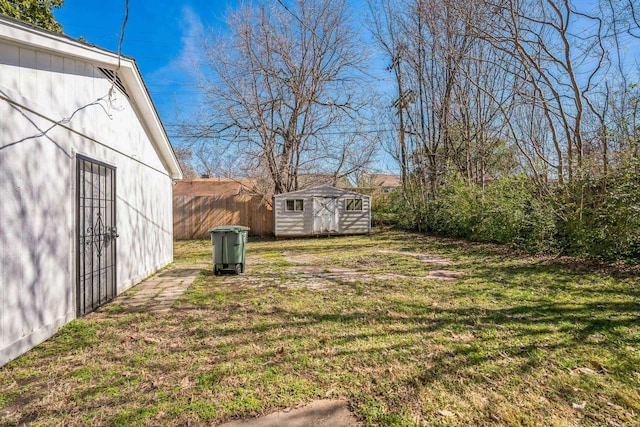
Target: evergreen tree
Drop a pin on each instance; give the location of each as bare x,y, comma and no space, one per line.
37,12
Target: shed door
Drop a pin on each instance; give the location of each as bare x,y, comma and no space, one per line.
325,215
96,232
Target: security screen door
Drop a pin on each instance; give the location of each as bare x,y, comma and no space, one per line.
96,232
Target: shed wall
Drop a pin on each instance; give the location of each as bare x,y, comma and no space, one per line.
53,108
290,224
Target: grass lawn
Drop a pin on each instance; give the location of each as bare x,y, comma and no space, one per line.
410,330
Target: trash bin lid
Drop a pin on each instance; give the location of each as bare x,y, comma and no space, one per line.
228,229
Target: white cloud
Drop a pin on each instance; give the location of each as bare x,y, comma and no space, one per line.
172,85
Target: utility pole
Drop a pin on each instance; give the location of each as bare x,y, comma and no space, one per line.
399,103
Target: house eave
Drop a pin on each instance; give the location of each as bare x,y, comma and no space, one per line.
26,35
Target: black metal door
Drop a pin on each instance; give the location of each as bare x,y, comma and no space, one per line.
97,232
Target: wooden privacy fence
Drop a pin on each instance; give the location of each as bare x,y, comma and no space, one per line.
194,215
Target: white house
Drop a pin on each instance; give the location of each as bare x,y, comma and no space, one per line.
321,210
86,171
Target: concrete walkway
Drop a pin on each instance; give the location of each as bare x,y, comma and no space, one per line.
158,293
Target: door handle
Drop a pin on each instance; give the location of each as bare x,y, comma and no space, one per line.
113,231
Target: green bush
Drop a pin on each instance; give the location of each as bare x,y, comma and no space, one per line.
455,211
512,213
591,217
389,209
602,217
506,212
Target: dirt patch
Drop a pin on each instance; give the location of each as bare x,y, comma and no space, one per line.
297,277
257,260
305,271
446,275
302,259
317,278
312,271
423,258
364,262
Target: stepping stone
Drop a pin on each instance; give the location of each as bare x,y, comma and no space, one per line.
321,413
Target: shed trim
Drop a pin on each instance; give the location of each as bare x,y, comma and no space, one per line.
325,186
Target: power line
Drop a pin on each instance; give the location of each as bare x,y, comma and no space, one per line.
80,28
304,24
336,133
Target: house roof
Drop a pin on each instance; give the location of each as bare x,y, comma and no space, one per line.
313,179
221,187
23,34
382,180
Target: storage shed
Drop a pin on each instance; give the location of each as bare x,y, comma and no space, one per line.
321,210
86,171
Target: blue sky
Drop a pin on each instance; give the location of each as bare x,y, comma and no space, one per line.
160,36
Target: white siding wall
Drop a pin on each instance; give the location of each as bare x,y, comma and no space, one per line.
292,223
289,224
355,222
37,189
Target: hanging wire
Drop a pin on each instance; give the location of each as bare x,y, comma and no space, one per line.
124,23
304,24
111,98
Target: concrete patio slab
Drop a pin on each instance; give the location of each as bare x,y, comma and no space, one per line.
158,293
321,413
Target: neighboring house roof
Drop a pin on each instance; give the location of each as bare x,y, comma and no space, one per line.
315,179
321,189
128,74
381,180
221,187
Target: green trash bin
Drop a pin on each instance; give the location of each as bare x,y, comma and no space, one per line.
229,243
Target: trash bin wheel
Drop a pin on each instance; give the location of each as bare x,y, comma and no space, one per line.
216,271
238,268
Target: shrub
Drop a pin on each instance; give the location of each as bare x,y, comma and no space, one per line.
591,217
455,211
602,217
512,213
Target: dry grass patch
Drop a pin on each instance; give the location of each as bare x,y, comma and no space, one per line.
511,341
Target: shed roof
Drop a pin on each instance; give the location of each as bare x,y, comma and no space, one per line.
23,34
321,189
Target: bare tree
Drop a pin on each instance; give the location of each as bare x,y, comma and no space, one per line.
622,16
544,87
617,109
558,63
283,84
449,88
483,93
184,156
384,23
472,76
